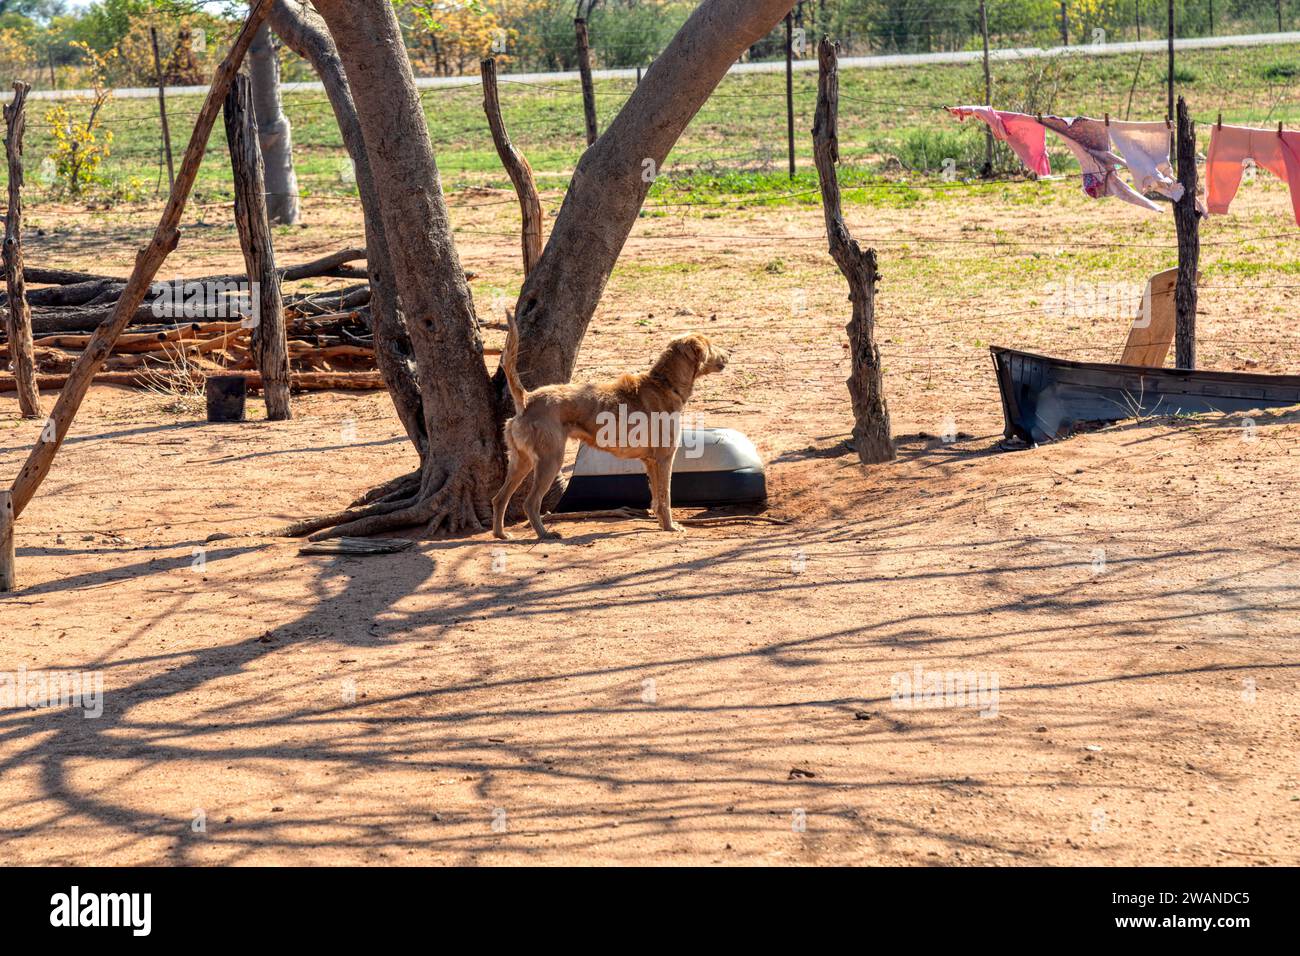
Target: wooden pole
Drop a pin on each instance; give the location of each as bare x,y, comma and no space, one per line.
1169,109
1189,243
1211,19
521,174
1065,24
19,315
162,109
584,70
7,581
789,88
147,263
988,92
270,344
1137,17
1279,16
871,436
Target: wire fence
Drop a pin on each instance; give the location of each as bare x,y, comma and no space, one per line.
892,126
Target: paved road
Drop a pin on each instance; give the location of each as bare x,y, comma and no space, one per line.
806,64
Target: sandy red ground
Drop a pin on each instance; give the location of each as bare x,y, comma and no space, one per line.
721,696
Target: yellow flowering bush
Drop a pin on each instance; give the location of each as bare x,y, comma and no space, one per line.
81,145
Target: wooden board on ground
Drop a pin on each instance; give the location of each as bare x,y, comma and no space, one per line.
358,546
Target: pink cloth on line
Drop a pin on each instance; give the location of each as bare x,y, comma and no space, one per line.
1231,146
1024,134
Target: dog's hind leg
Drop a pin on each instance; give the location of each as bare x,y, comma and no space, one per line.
520,463
550,460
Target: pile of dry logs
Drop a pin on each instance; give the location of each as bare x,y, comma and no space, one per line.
330,342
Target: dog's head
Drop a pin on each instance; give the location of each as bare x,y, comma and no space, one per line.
705,356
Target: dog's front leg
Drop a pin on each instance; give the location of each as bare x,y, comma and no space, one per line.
661,479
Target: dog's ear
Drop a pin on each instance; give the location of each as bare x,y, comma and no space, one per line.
692,347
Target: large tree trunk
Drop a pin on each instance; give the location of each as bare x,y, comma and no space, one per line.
274,134
462,464
462,408
303,30
614,175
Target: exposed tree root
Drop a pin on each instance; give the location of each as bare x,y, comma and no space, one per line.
451,510
643,515
404,486
342,518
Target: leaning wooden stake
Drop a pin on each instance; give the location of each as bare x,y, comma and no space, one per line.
871,435
521,174
19,312
7,580
584,71
1186,221
270,345
147,263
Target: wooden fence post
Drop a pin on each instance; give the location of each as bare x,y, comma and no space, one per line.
147,263
521,174
988,92
270,343
789,88
19,312
871,436
584,70
1065,24
7,580
162,109
1189,243
1169,109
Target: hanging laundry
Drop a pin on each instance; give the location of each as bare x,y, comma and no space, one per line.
1024,134
1231,146
1090,143
1145,148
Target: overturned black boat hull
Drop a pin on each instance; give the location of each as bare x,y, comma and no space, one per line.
1045,398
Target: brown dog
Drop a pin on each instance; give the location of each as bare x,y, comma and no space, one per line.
651,402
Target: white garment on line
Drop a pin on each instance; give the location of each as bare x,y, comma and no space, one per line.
1145,148
1088,140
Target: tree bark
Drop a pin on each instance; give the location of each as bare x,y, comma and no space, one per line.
147,263
274,132
1189,244
871,433
304,31
252,221
462,465
19,312
612,179
521,174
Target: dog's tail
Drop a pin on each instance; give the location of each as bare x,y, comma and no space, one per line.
509,357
